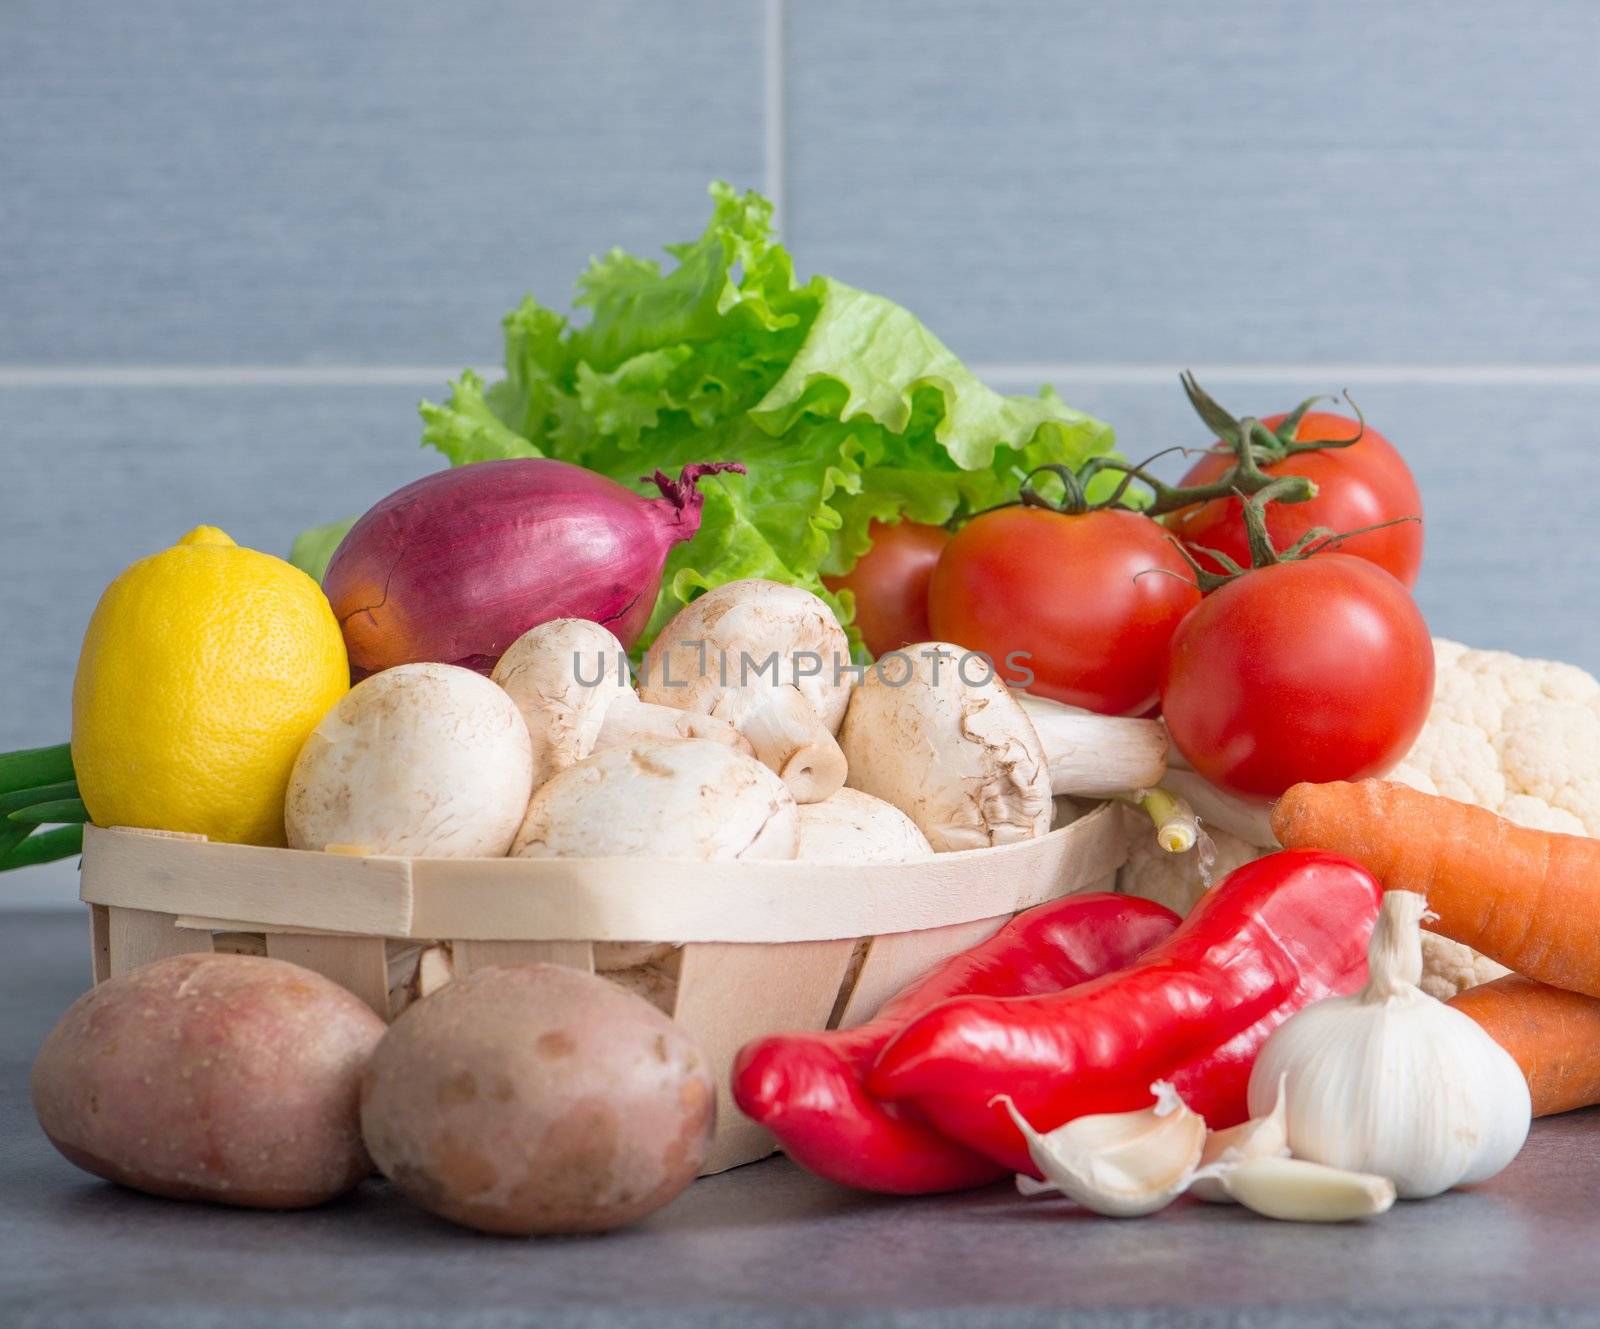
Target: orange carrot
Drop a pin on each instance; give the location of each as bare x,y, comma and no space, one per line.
1553,1035
1529,899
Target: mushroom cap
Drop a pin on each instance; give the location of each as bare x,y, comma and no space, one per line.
959,757
429,760
853,827
662,798
731,630
541,673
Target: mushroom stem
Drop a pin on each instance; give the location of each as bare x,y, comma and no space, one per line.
788,736
628,719
1096,756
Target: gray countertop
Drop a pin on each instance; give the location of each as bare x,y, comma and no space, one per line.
763,1245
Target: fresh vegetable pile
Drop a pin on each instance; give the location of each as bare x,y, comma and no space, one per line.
865,610
840,405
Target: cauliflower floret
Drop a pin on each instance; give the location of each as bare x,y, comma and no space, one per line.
1537,815
1519,737
1460,762
1476,687
1414,776
1448,967
1550,750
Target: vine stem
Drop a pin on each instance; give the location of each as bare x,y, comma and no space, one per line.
1249,441
1263,553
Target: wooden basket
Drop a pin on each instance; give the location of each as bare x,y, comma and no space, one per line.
765,946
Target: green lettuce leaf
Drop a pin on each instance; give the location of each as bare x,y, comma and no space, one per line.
313,549
842,406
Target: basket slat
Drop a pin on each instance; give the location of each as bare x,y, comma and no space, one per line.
469,955
331,892
592,899
896,958
99,943
770,901
209,924
358,963
730,993
140,936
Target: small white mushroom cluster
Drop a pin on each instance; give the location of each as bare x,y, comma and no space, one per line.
738,745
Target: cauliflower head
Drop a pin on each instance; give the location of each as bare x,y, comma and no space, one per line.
1519,737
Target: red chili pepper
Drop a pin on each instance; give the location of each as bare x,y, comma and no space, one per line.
807,1088
1272,937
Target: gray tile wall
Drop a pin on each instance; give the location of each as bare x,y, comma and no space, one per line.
238,242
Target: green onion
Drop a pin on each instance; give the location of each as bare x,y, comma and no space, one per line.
11,835
60,810
45,847
47,793
32,767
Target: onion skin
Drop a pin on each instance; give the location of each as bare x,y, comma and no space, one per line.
456,566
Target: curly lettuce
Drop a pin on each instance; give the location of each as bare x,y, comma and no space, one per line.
842,406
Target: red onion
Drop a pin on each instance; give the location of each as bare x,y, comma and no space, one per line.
456,566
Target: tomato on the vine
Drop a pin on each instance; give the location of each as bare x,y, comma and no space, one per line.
1364,484
1315,670
890,584
1086,602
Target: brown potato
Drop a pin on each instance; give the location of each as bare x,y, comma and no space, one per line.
231,1078
537,1099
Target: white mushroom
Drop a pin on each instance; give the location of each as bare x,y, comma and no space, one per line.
570,679
853,827
659,798
771,660
662,798
427,760
934,731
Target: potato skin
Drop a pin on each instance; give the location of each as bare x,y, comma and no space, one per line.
229,1078
537,1099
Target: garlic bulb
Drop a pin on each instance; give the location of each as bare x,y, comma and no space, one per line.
1121,1164
1391,1081
1258,1138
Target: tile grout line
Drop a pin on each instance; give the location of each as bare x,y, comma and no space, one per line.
774,119
225,376
1328,376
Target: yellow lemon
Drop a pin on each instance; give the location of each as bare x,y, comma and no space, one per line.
204,668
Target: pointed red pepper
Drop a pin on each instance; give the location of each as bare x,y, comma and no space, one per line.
1271,938
807,1088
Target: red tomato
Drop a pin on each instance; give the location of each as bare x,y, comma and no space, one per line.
890,583
1320,670
1361,485
1084,602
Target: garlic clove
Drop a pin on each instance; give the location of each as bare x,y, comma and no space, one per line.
1260,1137
1120,1164
1300,1192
